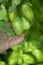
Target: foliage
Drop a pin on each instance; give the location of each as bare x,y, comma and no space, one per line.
29,15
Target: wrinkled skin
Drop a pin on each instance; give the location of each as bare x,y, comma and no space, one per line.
6,42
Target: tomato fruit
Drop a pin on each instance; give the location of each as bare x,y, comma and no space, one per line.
17,26
27,11
26,24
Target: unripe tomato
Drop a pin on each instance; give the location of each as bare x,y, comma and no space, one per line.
17,26
27,11
25,23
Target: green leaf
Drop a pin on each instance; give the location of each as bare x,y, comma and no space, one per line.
3,13
3,0
14,4
16,1
4,27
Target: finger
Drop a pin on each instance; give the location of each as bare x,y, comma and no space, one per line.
11,38
17,40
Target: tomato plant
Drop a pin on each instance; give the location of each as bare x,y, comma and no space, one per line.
25,16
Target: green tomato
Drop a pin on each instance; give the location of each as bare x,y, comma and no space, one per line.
27,11
17,26
25,23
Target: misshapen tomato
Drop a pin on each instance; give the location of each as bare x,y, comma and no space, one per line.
27,11
25,23
17,26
